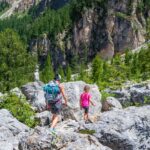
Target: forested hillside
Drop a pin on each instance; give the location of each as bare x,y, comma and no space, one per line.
73,35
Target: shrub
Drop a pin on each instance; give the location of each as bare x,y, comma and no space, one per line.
105,95
86,131
19,109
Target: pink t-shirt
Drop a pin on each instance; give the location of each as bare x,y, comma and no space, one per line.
85,99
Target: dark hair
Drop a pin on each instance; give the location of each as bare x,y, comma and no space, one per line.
57,77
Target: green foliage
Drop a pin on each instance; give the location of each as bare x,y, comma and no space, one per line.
97,69
47,73
20,25
105,95
50,21
148,29
78,6
86,131
68,73
3,6
122,15
16,65
111,74
147,100
61,72
20,109
84,74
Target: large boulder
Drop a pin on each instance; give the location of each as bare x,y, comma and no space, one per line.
35,94
111,103
133,94
127,129
11,130
73,91
43,117
67,138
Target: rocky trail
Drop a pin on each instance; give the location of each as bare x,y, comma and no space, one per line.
117,129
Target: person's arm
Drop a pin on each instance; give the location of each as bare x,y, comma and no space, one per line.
91,100
92,103
63,93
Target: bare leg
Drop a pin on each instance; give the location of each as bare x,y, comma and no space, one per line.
55,119
85,116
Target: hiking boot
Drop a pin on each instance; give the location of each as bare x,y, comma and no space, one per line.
53,131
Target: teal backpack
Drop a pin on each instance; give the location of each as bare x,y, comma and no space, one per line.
52,92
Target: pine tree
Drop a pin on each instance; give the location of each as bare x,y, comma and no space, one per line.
68,73
135,67
82,72
61,72
48,72
97,69
128,62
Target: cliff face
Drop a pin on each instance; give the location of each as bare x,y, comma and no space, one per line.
103,29
109,29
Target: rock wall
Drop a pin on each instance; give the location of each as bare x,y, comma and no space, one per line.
110,28
104,29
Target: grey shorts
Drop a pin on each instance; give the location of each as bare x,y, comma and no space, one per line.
56,108
86,109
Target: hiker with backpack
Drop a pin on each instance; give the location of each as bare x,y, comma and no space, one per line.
54,92
85,100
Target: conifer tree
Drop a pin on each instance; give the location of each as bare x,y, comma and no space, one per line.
68,73
97,69
135,69
48,72
61,72
82,72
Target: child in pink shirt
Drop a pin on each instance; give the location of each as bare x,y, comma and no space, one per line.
85,100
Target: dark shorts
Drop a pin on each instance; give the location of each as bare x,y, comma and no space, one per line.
86,109
56,108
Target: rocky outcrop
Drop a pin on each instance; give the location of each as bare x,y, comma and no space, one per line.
117,129
42,46
67,138
133,94
44,118
110,27
111,103
11,130
35,95
127,129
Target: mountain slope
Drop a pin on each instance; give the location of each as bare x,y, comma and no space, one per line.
18,6
83,29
